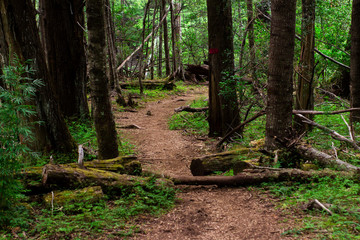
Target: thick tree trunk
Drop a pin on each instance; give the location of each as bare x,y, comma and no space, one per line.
166,41
160,56
281,54
152,57
223,106
305,89
21,34
355,61
100,99
65,53
176,38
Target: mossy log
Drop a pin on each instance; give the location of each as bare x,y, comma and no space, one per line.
67,177
221,161
149,84
257,176
122,165
59,198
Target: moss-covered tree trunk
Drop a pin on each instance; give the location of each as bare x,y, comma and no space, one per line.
223,105
100,99
280,88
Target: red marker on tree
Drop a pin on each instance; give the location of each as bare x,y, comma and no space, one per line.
213,50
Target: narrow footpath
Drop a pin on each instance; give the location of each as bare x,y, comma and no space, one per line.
202,212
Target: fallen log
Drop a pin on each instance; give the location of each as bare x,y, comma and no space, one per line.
221,162
257,176
190,109
323,159
67,177
168,85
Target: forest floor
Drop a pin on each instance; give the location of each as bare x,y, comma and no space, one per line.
202,212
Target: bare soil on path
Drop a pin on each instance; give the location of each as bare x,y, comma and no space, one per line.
203,212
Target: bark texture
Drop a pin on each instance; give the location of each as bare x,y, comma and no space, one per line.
166,40
21,34
223,106
305,88
65,53
281,53
102,114
355,61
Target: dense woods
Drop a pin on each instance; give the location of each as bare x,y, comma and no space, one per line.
67,67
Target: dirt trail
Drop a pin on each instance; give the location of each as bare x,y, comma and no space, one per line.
209,212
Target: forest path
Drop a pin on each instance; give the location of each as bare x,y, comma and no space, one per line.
203,212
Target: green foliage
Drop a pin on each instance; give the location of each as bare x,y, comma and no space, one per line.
341,193
192,123
14,132
79,219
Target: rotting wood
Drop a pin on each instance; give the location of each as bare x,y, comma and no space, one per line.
221,162
190,109
333,133
258,176
323,159
67,177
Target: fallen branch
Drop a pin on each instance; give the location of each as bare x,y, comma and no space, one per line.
190,109
145,40
311,112
236,129
333,133
256,177
323,159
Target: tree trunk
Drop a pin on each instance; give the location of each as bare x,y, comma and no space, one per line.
166,41
251,36
223,106
305,89
176,36
160,58
65,53
100,99
281,54
355,61
21,34
152,58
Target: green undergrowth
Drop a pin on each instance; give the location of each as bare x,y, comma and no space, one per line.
157,93
89,216
191,123
341,193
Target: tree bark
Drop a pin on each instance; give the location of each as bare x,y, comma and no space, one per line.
281,54
176,38
223,106
21,34
160,56
152,58
166,41
65,53
305,89
251,36
100,99
355,61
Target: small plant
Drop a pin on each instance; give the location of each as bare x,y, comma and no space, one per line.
15,131
193,123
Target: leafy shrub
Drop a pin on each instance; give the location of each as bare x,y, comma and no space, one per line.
14,131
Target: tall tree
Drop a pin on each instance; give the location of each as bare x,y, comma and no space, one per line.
223,105
355,61
160,58
175,38
22,37
100,99
65,53
305,86
166,40
281,53
251,36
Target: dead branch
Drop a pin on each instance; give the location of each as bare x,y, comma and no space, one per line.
333,133
259,114
311,112
190,109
